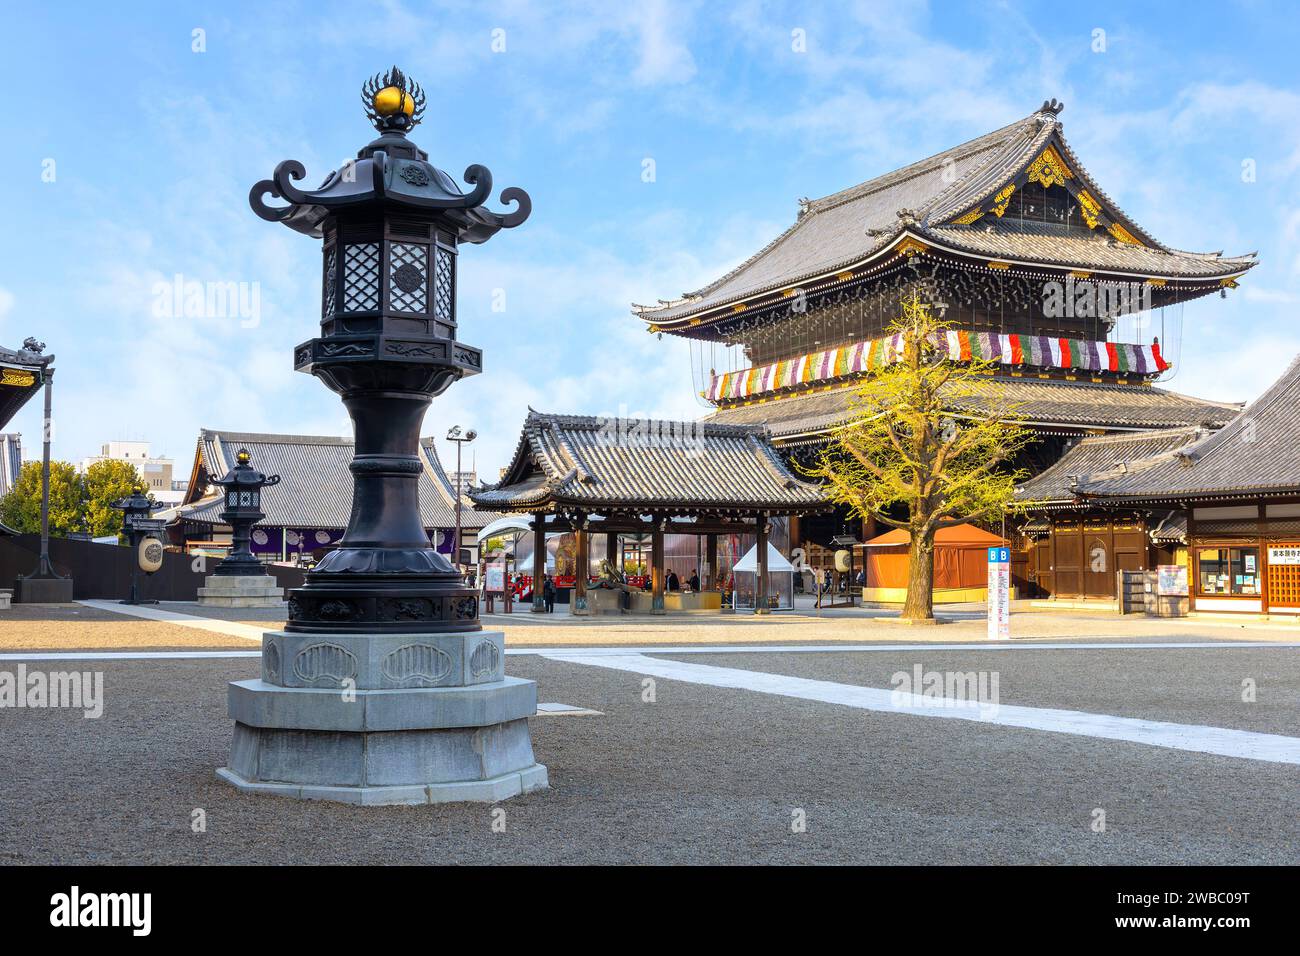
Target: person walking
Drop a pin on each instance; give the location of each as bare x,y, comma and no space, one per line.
548,595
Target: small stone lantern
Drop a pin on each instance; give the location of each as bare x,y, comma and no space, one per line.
240,580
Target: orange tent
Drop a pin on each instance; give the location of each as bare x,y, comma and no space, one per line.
960,557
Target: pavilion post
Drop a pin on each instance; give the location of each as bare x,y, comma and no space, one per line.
710,562
657,569
582,538
611,551
539,562
760,585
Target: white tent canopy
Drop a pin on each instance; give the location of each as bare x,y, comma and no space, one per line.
775,561
509,523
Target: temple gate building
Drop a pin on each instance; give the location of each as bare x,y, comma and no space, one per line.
1017,248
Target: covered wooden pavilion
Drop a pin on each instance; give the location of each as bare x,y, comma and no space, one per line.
616,476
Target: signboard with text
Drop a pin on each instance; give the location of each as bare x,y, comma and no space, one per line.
999,601
1289,554
495,577
1171,580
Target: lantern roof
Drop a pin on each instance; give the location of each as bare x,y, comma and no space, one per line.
392,172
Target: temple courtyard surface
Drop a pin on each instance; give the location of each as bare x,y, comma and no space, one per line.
794,738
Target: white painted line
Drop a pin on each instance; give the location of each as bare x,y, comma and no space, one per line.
231,628
566,710
574,652
668,649
124,655
901,648
1249,745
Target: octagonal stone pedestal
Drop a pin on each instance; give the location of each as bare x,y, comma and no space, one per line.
240,590
381,719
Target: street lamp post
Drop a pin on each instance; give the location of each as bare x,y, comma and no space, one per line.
460,439
44,585
385,617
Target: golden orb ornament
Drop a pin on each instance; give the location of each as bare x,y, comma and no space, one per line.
391,99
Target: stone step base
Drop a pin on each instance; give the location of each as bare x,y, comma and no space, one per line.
242,600
234,590
416,745
502,787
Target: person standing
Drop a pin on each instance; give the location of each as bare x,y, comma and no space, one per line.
693,582
674,583
548,595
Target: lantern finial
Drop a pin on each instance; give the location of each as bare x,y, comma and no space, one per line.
393,101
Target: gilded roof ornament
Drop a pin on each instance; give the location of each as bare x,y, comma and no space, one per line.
1049,169
393,101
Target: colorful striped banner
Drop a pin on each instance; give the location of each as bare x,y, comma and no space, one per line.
957,344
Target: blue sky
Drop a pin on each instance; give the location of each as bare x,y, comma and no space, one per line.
154,148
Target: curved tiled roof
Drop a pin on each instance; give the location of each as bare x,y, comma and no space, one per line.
1097,455
864,222
1258,451
315,489
1042,402
1096,251
622,464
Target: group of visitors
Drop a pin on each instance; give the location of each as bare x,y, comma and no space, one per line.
673,583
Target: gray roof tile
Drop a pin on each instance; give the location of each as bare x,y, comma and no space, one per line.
1257,452
1043,401
853,225
1097,455
315,489
591,463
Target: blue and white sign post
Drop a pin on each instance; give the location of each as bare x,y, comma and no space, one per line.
999,594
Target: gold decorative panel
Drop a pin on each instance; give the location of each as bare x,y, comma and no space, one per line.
1089,208
1049,169
1003,199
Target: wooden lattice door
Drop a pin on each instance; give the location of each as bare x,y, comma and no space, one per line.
1283,578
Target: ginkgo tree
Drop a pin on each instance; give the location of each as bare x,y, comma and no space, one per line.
929,437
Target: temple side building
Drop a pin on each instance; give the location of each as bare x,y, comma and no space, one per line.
309,509
1012,242
1237,493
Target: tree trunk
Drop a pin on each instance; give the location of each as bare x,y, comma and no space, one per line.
920,579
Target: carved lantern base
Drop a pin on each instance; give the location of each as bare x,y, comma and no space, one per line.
383,719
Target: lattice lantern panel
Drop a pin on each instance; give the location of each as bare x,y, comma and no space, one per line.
444,285
408,270
361,277
331,280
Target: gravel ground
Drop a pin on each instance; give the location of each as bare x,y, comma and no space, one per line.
704,775
77,627
64,627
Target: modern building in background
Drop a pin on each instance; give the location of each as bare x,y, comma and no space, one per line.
11,459
463,481
155,471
